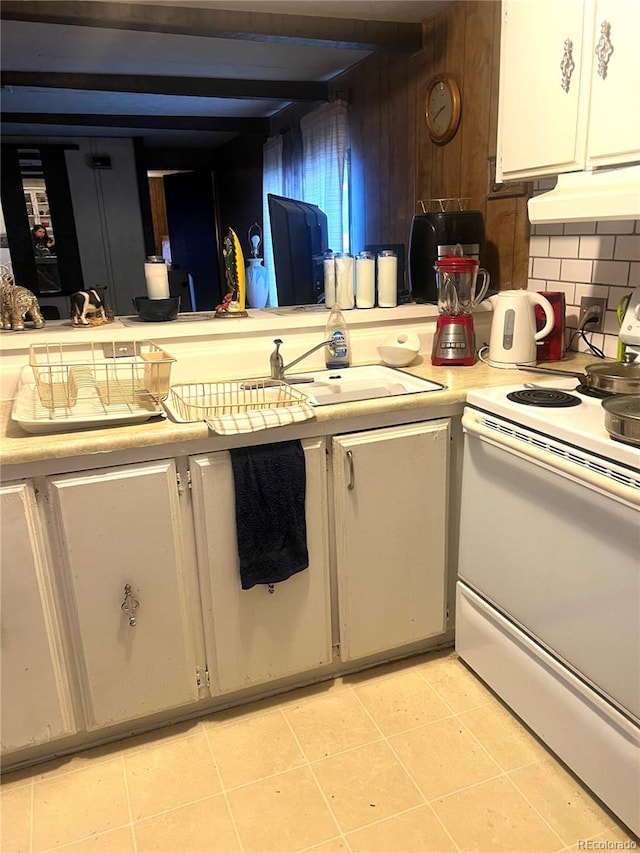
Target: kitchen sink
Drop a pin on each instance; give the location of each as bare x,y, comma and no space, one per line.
371,382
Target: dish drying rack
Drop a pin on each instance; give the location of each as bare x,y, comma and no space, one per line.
89,383
195,401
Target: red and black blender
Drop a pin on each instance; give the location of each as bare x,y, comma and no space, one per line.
454,341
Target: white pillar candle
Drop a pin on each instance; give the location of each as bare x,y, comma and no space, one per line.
344,281
365,280
387,279
329,282
156,276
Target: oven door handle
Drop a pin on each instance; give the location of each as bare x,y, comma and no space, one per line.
473,425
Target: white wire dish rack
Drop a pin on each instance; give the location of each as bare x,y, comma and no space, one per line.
196,401
83,385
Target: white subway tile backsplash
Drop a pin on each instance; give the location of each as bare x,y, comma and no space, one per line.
623,227
546,268
627,248
610,348
580,228
591,290
564,247
576,270
587,259
611,323
596,246
549,228
539,246
615,295
611,272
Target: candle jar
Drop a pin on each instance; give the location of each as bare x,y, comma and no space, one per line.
365,280
344,281
156,275
387,279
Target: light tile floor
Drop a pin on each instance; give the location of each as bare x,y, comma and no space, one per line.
409,757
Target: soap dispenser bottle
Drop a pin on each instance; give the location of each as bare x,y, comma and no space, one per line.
338,353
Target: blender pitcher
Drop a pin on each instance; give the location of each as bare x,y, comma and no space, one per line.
457,279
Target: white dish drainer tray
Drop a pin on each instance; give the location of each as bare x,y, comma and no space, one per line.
195,401
84,385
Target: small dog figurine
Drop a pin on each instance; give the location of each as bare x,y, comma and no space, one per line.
85,303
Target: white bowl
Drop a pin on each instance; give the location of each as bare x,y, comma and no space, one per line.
399,349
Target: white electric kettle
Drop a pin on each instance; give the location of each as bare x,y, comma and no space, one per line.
513,328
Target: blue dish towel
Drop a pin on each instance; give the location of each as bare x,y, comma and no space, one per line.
271,529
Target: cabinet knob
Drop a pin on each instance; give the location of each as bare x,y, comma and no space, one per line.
567,65
604,49
130,605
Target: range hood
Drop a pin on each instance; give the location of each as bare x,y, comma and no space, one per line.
601,194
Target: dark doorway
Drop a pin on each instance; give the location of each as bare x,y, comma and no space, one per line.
194,233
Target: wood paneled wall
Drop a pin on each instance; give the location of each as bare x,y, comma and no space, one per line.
158,211
395,163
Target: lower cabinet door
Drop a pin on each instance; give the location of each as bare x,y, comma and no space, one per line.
124,561
257,635
391,496
35,706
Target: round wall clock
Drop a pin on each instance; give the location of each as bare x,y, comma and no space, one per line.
442,108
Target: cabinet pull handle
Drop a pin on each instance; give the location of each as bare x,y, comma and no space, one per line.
130,605
352,477
604,49
567,65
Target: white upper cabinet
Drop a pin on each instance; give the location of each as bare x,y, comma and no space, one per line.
125,559
614,115
36,705
568,74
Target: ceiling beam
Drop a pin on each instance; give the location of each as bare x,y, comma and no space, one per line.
238,124
155,84
345,33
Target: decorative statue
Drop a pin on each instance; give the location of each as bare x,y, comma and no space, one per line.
233,303
16,303
256,274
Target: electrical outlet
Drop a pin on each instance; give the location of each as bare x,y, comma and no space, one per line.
597,303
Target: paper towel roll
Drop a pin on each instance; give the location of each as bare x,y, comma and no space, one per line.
156,276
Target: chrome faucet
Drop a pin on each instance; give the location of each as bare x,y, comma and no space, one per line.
278,367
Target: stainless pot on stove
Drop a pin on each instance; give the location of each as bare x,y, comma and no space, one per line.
622,417
620,377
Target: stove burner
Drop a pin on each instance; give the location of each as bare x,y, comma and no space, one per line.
545,397
588,391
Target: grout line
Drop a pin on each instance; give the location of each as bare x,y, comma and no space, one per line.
31,814
224,791
129,806
315,779
425,801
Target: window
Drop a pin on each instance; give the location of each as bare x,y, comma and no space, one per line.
325,176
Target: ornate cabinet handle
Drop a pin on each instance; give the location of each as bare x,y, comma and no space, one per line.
130,605
604,49
351,482
567,65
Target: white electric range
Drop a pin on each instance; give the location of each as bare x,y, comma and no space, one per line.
548,593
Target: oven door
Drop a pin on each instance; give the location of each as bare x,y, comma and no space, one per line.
551,539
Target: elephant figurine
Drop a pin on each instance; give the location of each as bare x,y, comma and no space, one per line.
15,303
